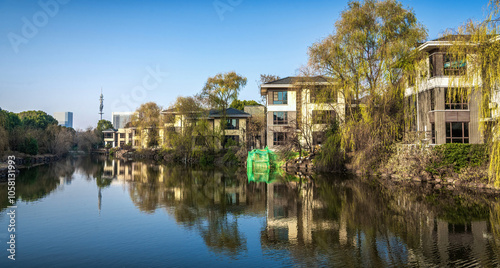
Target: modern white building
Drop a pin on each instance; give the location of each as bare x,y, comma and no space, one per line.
64,118
120,119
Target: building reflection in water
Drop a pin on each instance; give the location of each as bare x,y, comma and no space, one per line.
326,221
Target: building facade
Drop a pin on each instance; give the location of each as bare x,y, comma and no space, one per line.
300,108
441,112
235,130
64,118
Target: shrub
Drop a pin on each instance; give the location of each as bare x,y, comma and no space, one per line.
459,156
230,157
331,156
112,151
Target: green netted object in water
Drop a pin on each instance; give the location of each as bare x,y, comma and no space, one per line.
262,165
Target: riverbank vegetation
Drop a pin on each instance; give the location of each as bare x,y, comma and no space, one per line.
372,58
33,133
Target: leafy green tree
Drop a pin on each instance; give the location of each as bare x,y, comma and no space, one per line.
365,57
222,89
103,125
9,120
194,130
147,119
37,119
30,146
240,104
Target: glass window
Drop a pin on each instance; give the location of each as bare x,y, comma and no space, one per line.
280,118
280,97
433,134
456,99
279,138
323,95
323,116
453,65
232,123
433,100
457,132
431,66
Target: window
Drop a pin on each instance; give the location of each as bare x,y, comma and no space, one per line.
122,135
279,138
280,118
232,124
280,97
431,66
323,116
457,132
455,100
411,80
453,65
324,95
318,137
433,100
108,135
433,134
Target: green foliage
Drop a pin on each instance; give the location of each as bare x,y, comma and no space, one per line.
230,157
458,209
459,156
9,120
147,118
204,157
103,125
112,151
230,142
102,182
363,58
476,43
222,89
36,119
331,157
30,146
240,104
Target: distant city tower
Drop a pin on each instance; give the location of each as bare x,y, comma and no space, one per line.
101,106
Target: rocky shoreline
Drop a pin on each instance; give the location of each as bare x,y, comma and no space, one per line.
26,161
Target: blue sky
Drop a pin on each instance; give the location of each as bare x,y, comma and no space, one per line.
56,55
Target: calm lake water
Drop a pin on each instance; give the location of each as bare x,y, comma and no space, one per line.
92,213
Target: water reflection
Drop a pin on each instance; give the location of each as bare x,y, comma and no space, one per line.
323,221
35,183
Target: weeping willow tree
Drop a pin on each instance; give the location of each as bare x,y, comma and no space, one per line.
476,45
367,55
147,119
